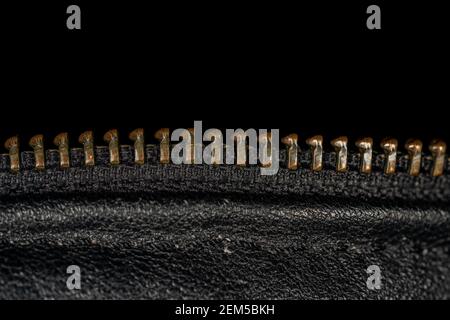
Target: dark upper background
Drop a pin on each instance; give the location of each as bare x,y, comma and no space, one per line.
305,67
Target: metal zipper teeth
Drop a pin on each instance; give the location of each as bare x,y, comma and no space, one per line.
365,146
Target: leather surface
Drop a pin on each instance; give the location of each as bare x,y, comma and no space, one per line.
202,245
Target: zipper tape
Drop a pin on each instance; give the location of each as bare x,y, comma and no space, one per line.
152,177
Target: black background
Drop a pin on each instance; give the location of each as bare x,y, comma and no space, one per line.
312,68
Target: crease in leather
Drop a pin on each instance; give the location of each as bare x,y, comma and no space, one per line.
221,246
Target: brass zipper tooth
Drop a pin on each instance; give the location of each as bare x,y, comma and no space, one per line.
163,136
291,142
438,149
37,143
87,140
241,148
390,150
12,145
62,142
265,143
340,145
139,145
191,158
215,153
365,146
414,148
316,152
112,138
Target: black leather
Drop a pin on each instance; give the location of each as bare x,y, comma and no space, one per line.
199,245
200,232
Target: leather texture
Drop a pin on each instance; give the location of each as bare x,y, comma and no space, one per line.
203,232
221,246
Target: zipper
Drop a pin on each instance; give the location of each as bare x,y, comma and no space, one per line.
414,161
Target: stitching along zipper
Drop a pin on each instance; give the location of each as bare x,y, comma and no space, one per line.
391,157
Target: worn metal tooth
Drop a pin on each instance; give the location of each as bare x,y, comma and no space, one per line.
438,149
390,150
414,148
216,147
265,143
37,143
191,157
139,145
365,146
291,142
163,135
340,146
241,148
87,140
12,145
112,138
316,152
62,142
